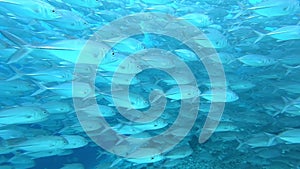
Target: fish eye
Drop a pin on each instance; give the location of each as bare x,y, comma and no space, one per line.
53,10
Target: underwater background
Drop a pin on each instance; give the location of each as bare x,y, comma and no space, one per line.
181,84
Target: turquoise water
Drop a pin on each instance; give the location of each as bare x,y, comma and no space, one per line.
207,84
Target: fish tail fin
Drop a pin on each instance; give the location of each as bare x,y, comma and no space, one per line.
17,75
287,102
277,113
100,154
272,139
120,141
288,71
260,36
23,47
241,144
114,163
18,55
232,61
62,130
42,88
13,38
289,68
242,11
157,97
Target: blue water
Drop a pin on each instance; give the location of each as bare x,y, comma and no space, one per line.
184,84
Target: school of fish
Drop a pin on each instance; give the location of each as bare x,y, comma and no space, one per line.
257,42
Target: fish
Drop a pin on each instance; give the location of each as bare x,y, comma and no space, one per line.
186,55
183,92
16,87
225,58
121,79
101,84
154,125
126,66
57,107
73,165
146,160
230,96
67,50
197,19
161,8
275,8
290,136
85,3
241,85
259,140
127,129
257,60
22,115
215,39
134,101
163,2
31,9
98,110
40,143
47,76
74,141
46,153
70,21
182,78
291,32
127,46
83,126
22,160
181,151
10,133
65,89
158,59
289,103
